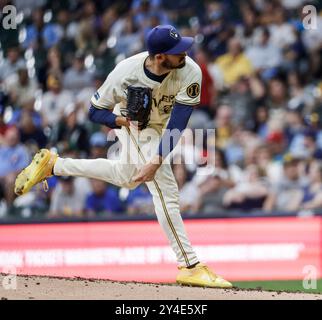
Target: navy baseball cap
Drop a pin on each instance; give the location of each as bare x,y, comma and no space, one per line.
166,39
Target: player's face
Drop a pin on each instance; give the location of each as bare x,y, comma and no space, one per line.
174,61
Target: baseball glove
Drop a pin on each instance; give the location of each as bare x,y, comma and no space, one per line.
139,105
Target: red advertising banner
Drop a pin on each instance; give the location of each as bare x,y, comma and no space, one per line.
238,249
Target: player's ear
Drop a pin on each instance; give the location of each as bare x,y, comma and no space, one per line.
159,57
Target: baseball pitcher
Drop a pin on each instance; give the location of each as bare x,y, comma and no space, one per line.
144,99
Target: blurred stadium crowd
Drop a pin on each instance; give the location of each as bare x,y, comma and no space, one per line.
262,91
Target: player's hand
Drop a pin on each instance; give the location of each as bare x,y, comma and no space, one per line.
148,171
122,121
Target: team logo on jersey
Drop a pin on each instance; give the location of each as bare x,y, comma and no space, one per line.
174,34
193,90
164,104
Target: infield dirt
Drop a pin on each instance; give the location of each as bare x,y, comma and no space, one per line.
49,288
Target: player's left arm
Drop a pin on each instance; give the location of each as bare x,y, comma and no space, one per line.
187,98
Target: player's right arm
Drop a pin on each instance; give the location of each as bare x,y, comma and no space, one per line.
107,118
104,100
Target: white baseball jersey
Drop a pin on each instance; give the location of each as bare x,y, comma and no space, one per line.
181,85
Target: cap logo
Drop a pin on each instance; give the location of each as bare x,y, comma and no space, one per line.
174,34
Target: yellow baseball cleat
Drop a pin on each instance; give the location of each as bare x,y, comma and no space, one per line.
201,276
39,169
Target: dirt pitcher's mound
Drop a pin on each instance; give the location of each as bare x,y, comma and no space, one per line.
34,287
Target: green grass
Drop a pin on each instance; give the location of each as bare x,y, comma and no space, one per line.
287,285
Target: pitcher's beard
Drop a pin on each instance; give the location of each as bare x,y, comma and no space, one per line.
168,65
180,66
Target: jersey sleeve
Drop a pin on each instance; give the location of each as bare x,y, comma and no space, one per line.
189,93
110,93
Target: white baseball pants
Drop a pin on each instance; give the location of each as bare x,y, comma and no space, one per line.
137,149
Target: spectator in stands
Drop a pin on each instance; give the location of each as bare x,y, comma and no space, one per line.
13,158
301,95
21,88
234,64
29,107
277,95
110,20
77,77
271,168
68,199
276,142
103,200
217,30
129,40
98,145
208,88
295,55
210,196
55,100
211,183
224,125
312,37
268,12
249,30
310,147
189,152
139,201
49,33
240,142
312,192
187,190
86,38
54,63
250,143
11,63
264,55
282,32
304,144
67,134
242,101
143,10
30,134
260,121
68,28
287,194
248,194
28,6
294,126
